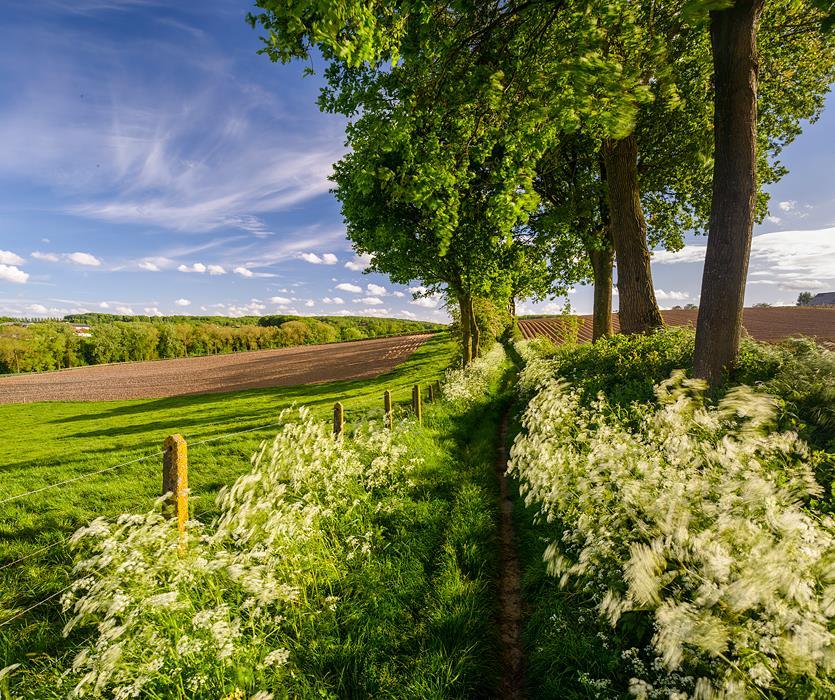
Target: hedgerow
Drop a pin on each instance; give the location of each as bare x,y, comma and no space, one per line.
689,513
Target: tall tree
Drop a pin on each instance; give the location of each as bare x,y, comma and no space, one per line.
738,149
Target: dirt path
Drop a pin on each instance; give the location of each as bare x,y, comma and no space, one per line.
309,364
510,593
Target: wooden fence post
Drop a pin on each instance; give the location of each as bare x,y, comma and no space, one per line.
175,481
387,404
416,405
431,393
338,420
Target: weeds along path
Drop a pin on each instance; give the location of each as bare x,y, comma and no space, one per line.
510,596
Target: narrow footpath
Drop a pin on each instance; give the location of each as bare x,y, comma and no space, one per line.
511,686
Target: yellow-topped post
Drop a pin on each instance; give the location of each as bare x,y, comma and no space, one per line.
175,481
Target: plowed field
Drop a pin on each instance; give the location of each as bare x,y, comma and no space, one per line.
768,324
204,375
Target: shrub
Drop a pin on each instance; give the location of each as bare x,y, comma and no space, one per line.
690,514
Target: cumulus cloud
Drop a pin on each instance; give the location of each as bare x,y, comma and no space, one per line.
104,305
11,273
325,259
348,287
124,310
671,295
369,301
48,257
333,300
773,219
789,205
376,289
183,302
425,302
359,263
310,303
196,267
398,294
149,266
216,270
152,311
688,254
7,257
280,300
84,259
37,308
243,272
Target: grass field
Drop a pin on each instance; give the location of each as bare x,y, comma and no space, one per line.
42,444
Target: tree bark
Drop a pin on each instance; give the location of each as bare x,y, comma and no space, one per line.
733,37
602,261
638,310
475,331
466,348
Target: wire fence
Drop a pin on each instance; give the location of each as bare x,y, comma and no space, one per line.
416,393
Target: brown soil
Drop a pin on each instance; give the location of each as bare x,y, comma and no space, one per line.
217,373
768,324
510,591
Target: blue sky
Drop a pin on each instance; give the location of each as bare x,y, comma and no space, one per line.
152,162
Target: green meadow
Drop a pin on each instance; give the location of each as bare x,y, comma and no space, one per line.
47,443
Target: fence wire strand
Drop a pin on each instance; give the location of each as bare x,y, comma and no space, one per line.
36,605
79,478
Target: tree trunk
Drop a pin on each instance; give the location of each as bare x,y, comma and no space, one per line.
638,310
733,37
474,330
602,260
466,349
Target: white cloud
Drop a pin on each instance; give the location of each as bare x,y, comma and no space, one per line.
688,254
398,294
243,272
124,310
409,314
793,260
671,295
104,305
49,257
788,205
279,300
149,266
152,311
197,267
183,302
37,308
325,259
369,301
359,263
10,273
333,300
310,303
216,270
425,302
348,287
773,219
7,257
376,289
84,259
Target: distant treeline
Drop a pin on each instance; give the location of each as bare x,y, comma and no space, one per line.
48,345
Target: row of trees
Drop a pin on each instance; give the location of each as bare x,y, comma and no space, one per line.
54,345
511,148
